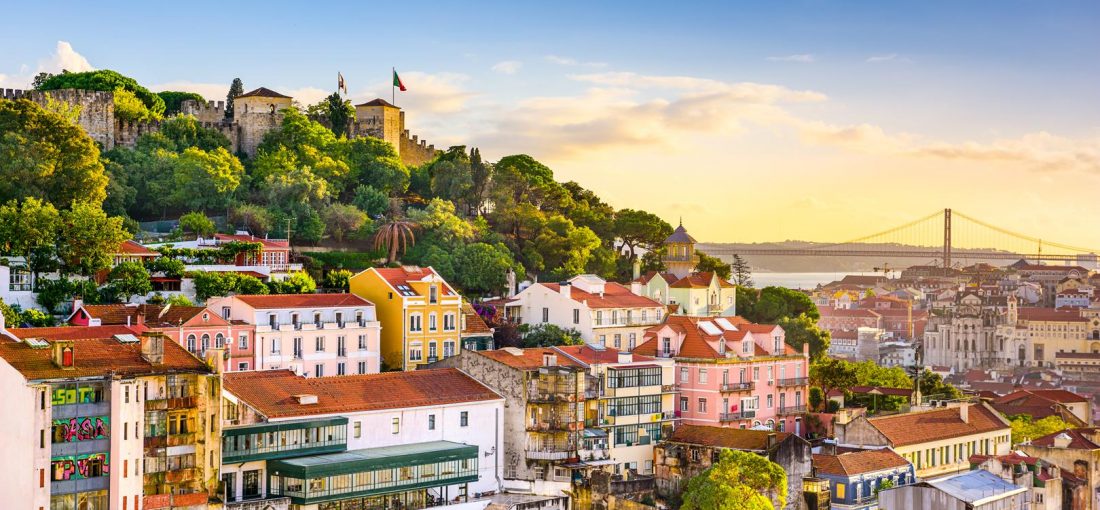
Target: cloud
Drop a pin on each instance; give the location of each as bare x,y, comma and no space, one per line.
569,61
428,93
879,59
802,58
507,67
64,57
1039,151
741,91
308,95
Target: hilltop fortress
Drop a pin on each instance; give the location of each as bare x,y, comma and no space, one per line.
254,114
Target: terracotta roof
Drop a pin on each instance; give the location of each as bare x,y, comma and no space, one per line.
526,359
859,462
923,426
1061,396
668,277
1039,404
830,311
263,92
396,276
475,325
377,102
680,235
699,280
97,357
75,332
272,392
269,244
273,301
1050,314
1080,439
130,247
1014,458
725,437
697,343
591,356
614,296
155,315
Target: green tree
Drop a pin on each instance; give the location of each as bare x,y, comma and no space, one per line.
830,373
129,279
252,218
480,176
933,385
341,220
801,330
167,266
370,200
482,268
741,272
375,163
547,335
210,284
28,226
151,105
298,282
197,223
178,300
713,265
337,279
12,317
816,398
235,89
452,181
184,131
89,238
173,100
337,110
394,236
640,229
206,179
40,79
43,155
738,481
1026,428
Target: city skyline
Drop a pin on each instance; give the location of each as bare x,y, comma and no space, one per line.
820,123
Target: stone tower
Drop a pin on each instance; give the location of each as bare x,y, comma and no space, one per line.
380,119
679,255
256,113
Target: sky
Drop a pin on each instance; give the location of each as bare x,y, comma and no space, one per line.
810,120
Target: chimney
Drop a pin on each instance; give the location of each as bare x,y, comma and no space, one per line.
1062,440
636,288
626,357
964,412
637,269
141,318
772,440
78,303
564,288
64,354
306,399
152,348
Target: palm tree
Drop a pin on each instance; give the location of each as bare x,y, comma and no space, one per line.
395,235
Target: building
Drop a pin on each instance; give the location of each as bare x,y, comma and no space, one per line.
421,312
1077,453
268,259
121,422
476,334
196,328
968,334
856,477
733,373
417,438
1043,481
691,449
605,313
679,256
936,441
973,490
312,334
1070,407
1049,331
699,294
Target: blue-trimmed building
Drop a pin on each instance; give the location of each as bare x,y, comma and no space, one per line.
856,477
403,440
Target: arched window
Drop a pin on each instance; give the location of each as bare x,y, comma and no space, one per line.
191,343
219,340
205,342
771,424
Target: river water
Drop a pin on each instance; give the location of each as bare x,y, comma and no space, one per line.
799,280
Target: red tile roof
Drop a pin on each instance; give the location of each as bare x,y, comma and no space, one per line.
403,275
1080,439
1050,315
699,280
263,92
697,343
830,311
154,315
474,325
725,437
667,277
273,301
129,247
590,356
75,332
614,296
272,392
858,462
526,359
269,244
98,357
923,426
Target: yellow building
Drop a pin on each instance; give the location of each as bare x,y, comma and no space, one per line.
418,310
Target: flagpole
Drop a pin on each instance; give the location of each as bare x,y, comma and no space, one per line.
393,92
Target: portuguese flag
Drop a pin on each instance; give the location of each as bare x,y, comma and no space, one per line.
397,81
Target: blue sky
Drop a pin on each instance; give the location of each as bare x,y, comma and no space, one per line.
785,106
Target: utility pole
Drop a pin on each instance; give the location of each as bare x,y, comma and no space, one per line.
288,230
946,240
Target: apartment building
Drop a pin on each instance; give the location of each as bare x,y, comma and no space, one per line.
421,312
119,422
312,334
856,477
392,440
733,373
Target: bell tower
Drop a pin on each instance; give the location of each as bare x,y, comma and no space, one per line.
679,255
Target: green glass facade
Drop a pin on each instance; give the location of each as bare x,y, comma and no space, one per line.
280,440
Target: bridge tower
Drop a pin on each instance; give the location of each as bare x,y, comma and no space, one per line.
947,239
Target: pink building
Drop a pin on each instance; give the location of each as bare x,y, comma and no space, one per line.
196,328
733,373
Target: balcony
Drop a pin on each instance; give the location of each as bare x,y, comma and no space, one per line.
714,308
161,404
792,410
738,386
793,381
260,504
182,439
558,425
741,415
549,454
554,394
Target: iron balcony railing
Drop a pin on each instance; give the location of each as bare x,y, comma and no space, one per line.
793,381
738,386
789,410
739,415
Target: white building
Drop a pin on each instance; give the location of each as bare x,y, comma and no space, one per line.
312,334
605,313
412,437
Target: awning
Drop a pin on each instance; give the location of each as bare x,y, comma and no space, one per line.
371,459
586,433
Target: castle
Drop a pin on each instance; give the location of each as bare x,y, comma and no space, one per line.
254,114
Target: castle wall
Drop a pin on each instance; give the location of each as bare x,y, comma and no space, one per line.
413,151
97,109
209,111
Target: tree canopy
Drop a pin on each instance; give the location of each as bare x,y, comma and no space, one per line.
150,105
738,481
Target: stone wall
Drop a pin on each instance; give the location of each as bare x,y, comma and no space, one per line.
97,109
209,111
413,151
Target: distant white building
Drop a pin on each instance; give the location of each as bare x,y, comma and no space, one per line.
973,490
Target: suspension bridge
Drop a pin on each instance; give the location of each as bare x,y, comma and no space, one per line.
935,237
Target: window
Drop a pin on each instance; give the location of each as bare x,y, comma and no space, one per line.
685,374
396,426
219,340
683,404
319,343
770,398
702,405
431,422
431,322
272,321
357,429
464,418
746,347
242,366
618,341
318,370
666,346
448,348
603,340
298,347
431,351
126,393
317,320
205,343
599,317
242,342
449,322
702,376
225,312
576,316
631,341
433,294
645,316
341,369
415,351
545,314
340,319
191,343
362,367
362,342
414,323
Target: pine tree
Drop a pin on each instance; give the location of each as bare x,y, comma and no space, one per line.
235,89
742,272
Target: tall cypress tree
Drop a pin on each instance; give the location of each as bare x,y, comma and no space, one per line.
236,89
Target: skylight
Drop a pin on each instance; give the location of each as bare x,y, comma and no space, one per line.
725,324
709,328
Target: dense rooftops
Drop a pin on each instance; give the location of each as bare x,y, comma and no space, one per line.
858,462
273,301
97,357
923,426
727,437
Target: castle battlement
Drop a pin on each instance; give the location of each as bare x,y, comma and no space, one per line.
210,111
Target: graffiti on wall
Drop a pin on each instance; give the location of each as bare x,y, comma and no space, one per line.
76,395
75,467
81,429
